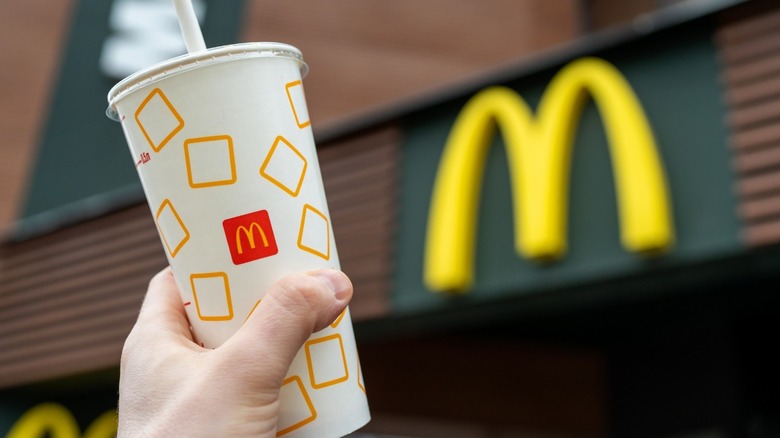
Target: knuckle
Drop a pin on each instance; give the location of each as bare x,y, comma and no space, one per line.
302,291
160,277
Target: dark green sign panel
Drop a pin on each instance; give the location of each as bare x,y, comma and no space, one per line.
675,76
82,153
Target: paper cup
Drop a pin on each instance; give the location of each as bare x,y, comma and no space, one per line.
225,153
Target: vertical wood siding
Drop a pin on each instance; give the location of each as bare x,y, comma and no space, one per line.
750,54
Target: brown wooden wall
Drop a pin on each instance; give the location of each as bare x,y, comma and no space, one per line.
68,299
365,54
749,44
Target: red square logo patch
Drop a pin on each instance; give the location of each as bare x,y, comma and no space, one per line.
250,237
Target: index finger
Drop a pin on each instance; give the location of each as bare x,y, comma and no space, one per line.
162,308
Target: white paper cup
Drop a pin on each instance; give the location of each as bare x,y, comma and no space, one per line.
224,149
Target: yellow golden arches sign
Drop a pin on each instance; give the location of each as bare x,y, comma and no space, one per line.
539,153
55,421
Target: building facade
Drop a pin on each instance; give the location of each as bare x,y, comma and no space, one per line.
552,230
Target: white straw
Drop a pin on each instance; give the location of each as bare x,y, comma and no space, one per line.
190,29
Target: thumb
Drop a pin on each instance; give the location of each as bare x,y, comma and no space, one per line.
294,308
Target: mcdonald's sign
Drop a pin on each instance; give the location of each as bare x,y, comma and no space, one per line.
55,420
250,237
539,151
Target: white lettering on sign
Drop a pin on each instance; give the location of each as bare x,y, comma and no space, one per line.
143,33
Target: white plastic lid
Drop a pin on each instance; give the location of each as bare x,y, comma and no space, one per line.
191,61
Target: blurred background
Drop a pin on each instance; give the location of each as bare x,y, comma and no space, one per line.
603,342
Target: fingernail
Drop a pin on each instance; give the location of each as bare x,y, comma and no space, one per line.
335,280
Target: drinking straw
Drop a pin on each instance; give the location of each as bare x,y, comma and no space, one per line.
190,29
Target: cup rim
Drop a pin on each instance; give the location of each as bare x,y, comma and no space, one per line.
190,61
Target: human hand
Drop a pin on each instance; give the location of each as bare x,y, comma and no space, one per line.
170,386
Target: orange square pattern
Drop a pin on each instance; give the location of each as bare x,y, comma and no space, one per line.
285,166
207,294
210,154
361,385
326,346
292,389
157,108
295,93
313,219
335,323
165,213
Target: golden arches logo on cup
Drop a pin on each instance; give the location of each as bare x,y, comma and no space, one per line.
250,237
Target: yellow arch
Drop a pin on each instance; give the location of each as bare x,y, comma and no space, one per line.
104,426
45,417
539,154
